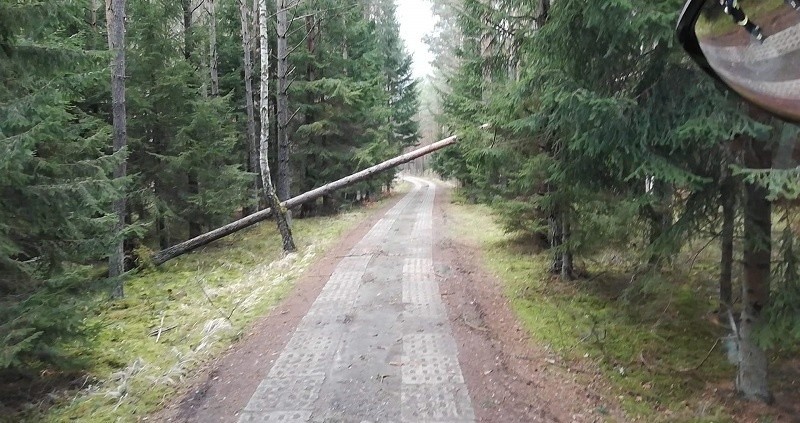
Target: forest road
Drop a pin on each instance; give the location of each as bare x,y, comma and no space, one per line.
399,322
376,344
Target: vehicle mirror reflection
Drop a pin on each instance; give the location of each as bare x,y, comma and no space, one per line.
754,47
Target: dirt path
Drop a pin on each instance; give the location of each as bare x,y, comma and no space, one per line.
401,326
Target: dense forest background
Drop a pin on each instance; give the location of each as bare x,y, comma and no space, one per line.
341,98
603,136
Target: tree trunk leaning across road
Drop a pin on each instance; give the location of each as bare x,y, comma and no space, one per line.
115,16
187,246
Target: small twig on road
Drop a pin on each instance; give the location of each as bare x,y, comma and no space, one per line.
472,325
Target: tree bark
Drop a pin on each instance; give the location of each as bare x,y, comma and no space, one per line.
556,238
752,376
212,47
284,175
269,191
567,269
252,143
660,215
728,190
192,183
186,6
115,18
194,243
93,14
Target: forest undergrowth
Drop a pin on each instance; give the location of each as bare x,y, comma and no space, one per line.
654,337
174,318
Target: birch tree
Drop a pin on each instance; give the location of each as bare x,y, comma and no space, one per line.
269,191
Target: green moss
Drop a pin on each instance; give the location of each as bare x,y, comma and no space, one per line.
202,302
648,346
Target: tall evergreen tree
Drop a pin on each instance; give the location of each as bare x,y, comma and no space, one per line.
55,175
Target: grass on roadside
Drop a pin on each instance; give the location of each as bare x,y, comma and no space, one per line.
179,315
649,347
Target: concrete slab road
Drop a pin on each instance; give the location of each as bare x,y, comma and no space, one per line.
376,345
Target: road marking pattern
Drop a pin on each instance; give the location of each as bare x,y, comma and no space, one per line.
431,384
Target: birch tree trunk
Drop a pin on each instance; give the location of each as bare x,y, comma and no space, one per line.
212,47
115,18
269,191
252,144
282,99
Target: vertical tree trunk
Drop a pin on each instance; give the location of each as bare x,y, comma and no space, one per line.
660,221
192,183
282,98
542,13
186,6
252,144
115,18
212,47
556,238
567,269
728,190
751,379
93,18
269,191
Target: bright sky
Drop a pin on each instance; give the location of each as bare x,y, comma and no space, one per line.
416,21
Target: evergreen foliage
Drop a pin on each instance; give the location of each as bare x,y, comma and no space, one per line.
360,106
187,152
55,173
603,134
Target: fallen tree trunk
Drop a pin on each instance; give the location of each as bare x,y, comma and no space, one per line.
187,246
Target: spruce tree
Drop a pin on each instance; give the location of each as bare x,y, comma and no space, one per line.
56,171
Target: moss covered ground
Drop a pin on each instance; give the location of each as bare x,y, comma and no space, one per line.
178,316
650,336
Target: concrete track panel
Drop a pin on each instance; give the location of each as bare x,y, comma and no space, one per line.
376,345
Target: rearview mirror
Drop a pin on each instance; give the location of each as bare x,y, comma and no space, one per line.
752,46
